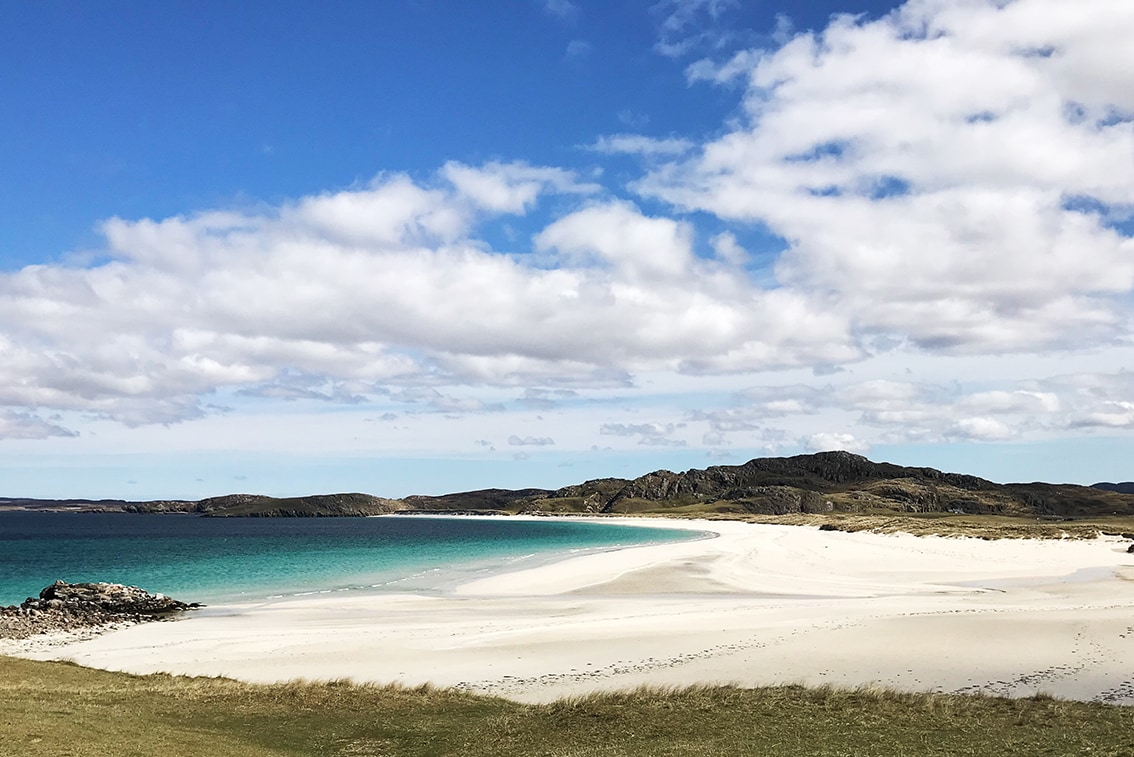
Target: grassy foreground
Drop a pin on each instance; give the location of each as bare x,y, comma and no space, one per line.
60,709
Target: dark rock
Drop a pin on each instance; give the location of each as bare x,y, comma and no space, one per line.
111,598
841,481
481,500
72,607
1125,487
1130,549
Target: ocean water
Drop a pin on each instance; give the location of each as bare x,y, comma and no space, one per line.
214,560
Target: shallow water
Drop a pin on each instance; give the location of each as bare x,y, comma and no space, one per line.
232,559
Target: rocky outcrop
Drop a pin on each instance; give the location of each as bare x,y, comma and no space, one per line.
825,472
317,505
834,481
96,505
72,607
1124,487
481,500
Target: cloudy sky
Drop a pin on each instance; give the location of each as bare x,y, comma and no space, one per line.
294,247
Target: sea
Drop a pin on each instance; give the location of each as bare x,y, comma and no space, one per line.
226,560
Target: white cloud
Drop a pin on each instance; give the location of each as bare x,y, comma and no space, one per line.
391,212
638,144
578,49
26,425
648,434
778,401
688,25
983,429
635,245
1020,401
830,441
739,65
633,119
946,182
530,441
1112,415
511,187
546,399
935,176
387,285
889,411
565,10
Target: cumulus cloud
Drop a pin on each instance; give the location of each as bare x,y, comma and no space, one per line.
831,441
887,411
778,401
949,172
1107,415
983,429
511,187
954,178
618,235
381,286
649,434
1092,402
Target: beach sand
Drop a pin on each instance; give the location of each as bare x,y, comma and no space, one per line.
757,605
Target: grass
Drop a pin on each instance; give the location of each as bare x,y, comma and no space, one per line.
60,709
948,524
918,524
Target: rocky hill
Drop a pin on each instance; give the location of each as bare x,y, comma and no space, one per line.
819,483
829,482
481,500
335,505
230,505
94,505
1126,487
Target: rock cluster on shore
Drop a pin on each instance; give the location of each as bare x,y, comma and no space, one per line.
73,607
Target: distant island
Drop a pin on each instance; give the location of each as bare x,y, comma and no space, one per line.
826,482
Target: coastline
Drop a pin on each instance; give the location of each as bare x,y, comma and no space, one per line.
757,605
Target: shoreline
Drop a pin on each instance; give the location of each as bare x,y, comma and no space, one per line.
759,604
401,568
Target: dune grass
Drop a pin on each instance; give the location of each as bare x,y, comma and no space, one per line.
61,709
921,524
948,524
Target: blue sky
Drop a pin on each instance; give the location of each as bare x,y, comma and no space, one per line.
419,247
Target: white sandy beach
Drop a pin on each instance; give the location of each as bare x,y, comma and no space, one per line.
759,604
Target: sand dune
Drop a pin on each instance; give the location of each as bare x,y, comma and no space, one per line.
757,604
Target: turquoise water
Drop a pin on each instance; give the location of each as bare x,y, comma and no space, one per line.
215,560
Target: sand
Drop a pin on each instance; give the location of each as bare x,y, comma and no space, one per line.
756,605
